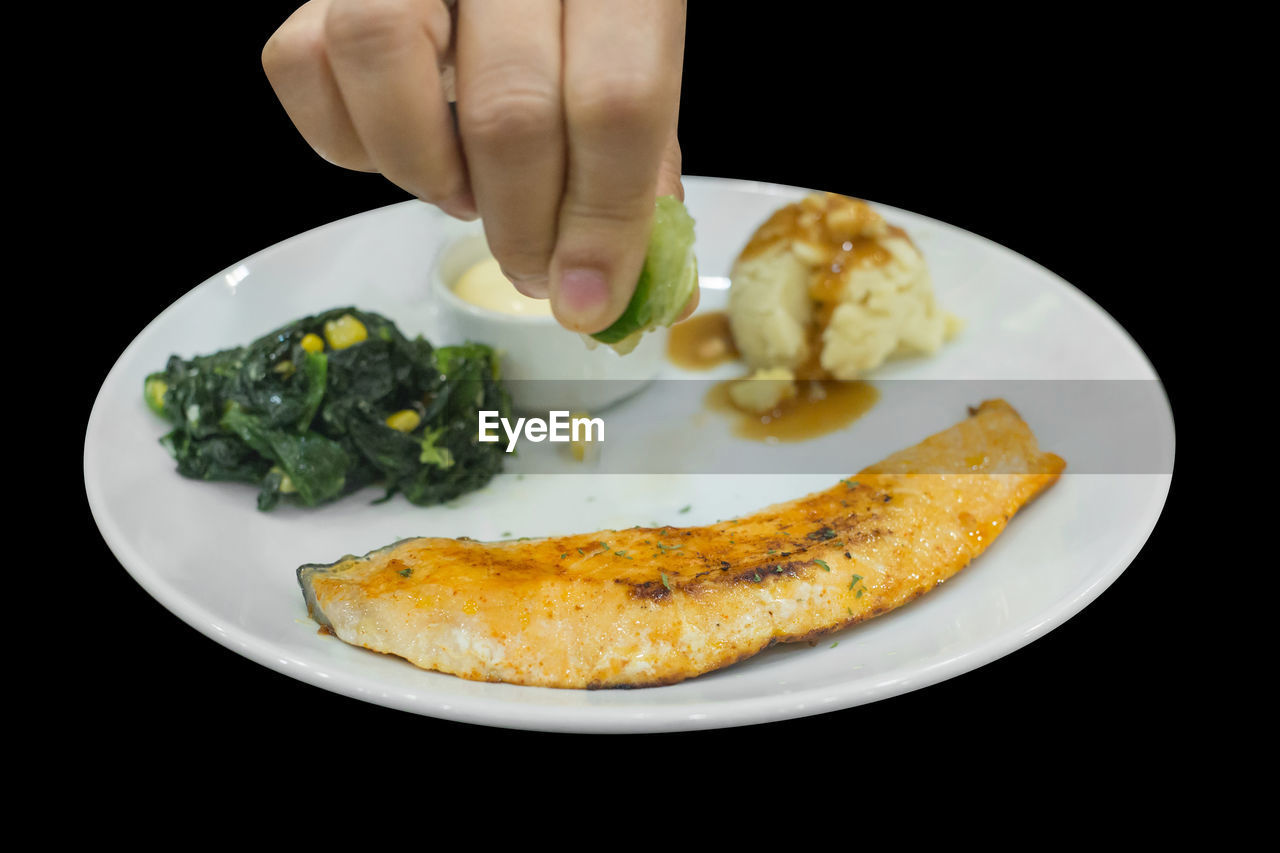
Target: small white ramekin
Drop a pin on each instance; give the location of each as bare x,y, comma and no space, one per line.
534,349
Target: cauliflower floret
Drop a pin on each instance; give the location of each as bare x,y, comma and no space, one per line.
885,311
769,308
764,390
834,257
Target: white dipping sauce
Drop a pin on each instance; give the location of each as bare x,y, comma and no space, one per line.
485,286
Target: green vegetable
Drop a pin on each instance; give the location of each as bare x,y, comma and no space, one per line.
309,426
667,281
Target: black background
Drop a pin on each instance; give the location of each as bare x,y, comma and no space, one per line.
1049,136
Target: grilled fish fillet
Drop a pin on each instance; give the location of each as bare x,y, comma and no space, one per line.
650,606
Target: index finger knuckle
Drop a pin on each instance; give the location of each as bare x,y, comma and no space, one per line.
510,111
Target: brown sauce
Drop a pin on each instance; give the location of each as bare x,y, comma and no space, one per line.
839,227
826,289
839,234
819,408
702,341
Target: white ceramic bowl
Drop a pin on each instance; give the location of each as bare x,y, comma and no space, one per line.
538,348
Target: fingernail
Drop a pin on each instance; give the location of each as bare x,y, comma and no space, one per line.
583,292
536,286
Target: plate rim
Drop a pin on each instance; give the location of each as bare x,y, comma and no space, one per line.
601,719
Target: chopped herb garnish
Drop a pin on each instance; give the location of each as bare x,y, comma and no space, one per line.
853,484
853,582
824,565
758,578
836,643
404,573
665,582
686,508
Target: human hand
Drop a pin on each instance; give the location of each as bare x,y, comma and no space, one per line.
565,131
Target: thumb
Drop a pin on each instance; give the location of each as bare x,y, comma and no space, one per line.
599,253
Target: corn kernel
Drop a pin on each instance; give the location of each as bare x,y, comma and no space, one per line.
344,332
312,342
286,484
405,420
578,447
154,391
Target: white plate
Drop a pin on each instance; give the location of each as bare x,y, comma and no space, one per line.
207,554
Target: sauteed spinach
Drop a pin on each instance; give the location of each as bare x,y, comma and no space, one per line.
332,403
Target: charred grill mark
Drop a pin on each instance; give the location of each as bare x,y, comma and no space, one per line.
861,537
852,532
760,574
646,590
